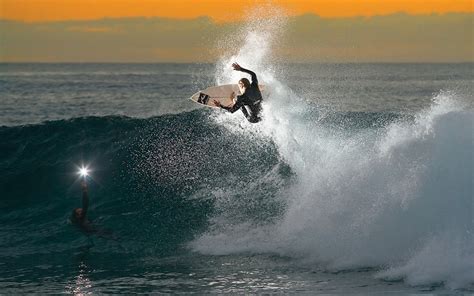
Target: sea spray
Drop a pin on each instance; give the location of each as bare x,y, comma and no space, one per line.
382,197
371,198
251,46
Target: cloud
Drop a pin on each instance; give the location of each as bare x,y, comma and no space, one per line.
392,38
90,29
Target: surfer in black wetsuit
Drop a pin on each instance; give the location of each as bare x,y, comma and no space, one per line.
250,100
79,217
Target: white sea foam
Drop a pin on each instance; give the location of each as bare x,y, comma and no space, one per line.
399,198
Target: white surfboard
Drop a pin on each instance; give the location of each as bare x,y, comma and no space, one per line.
221,93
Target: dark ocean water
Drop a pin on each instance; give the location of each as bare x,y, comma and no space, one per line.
358,180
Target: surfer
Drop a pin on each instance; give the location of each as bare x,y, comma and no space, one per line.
250,99
79,217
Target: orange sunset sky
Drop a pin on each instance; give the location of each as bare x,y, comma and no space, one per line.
194,30
218,10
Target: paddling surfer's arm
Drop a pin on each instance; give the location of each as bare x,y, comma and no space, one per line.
85,200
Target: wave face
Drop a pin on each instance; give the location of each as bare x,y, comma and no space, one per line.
156,172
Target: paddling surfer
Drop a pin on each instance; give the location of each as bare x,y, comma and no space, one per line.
79,217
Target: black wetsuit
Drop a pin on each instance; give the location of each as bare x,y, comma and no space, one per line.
85,225
250,101
82,222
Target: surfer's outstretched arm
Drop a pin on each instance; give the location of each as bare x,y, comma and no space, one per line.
237,67
85,200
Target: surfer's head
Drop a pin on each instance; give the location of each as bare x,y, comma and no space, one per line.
76,215
244,83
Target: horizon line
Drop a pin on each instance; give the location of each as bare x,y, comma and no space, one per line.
207,17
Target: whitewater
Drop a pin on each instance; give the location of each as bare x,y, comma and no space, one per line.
398,197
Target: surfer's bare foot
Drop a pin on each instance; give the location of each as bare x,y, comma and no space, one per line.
216,103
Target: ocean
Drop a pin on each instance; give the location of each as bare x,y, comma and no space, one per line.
358,180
